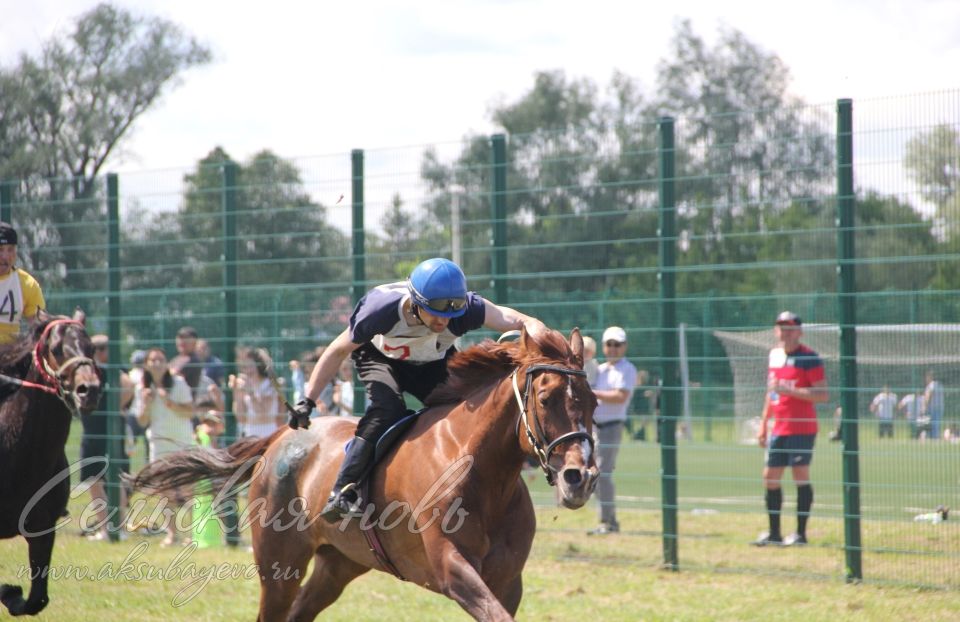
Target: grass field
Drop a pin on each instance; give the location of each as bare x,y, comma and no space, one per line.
569,576
911,569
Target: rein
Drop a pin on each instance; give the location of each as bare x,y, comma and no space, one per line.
543,454
53,378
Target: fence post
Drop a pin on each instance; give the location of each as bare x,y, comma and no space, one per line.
6,200
846,292
708,397
115,424
359,260
228,203
498,207
669,400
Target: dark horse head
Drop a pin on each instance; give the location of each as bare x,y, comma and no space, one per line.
55,357
45,377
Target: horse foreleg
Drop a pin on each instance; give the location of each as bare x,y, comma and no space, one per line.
332,571
40,549
460,580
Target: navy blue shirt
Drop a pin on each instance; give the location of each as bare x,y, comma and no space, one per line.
378,319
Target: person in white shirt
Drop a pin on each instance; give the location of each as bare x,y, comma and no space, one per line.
165,404
883,406
616,379
590,362
933,404
910,407
256,402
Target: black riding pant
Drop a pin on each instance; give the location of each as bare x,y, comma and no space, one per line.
386,380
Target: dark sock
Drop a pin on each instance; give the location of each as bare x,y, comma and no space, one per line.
774,500
804,503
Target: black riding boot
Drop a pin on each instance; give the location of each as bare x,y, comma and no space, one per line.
345,494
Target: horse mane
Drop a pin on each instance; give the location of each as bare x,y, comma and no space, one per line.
16,357
487,361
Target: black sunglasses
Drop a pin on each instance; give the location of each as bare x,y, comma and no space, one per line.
445,305
613,344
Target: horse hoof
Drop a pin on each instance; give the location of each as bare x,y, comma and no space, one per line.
12,598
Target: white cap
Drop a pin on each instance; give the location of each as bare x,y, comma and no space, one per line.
615,333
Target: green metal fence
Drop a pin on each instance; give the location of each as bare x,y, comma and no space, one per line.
703,228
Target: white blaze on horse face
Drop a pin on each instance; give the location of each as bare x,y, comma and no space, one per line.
585,446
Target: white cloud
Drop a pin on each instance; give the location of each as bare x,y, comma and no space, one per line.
318,78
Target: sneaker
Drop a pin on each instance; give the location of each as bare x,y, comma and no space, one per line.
765,539
795,539
603,529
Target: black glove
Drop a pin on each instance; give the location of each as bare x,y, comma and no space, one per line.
300,414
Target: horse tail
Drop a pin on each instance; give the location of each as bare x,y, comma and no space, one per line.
235,464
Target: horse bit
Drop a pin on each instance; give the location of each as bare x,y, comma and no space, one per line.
53,377
543,455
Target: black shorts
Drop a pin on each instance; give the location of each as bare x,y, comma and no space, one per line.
793,450
93,456
386,380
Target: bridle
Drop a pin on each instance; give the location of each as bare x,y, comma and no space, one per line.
53,378
538,438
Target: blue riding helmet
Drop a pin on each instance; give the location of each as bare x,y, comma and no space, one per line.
439,286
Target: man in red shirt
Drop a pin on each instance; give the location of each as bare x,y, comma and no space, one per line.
795,382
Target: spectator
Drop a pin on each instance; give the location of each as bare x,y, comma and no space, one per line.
883,406
186,342
933,403
94,455
130,405
795,382
21,294
616,379
212,365
256,402
165,404
300,370
211,424
590,363
343,391
203,389
836,434
910,407
641,408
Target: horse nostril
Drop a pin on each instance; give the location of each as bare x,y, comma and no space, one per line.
82,390
572,477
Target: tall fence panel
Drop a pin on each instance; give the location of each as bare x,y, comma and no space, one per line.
565,225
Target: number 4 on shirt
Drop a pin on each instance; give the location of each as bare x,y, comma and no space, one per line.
8,306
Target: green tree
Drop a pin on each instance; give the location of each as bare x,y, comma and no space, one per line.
283,236
932,160
391,252
67,111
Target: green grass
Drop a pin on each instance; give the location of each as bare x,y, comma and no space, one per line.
911,569
569,576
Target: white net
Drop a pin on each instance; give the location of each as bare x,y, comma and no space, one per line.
894,355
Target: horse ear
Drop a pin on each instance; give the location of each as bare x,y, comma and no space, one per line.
42,316
576,344
527,343
80,316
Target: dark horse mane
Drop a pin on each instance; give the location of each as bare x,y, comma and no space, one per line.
16,357
488,361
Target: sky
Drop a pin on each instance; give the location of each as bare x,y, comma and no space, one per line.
315,78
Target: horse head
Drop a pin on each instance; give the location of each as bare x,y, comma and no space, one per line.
556,413
64,358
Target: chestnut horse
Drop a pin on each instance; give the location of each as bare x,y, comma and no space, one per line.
46,377
447,504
